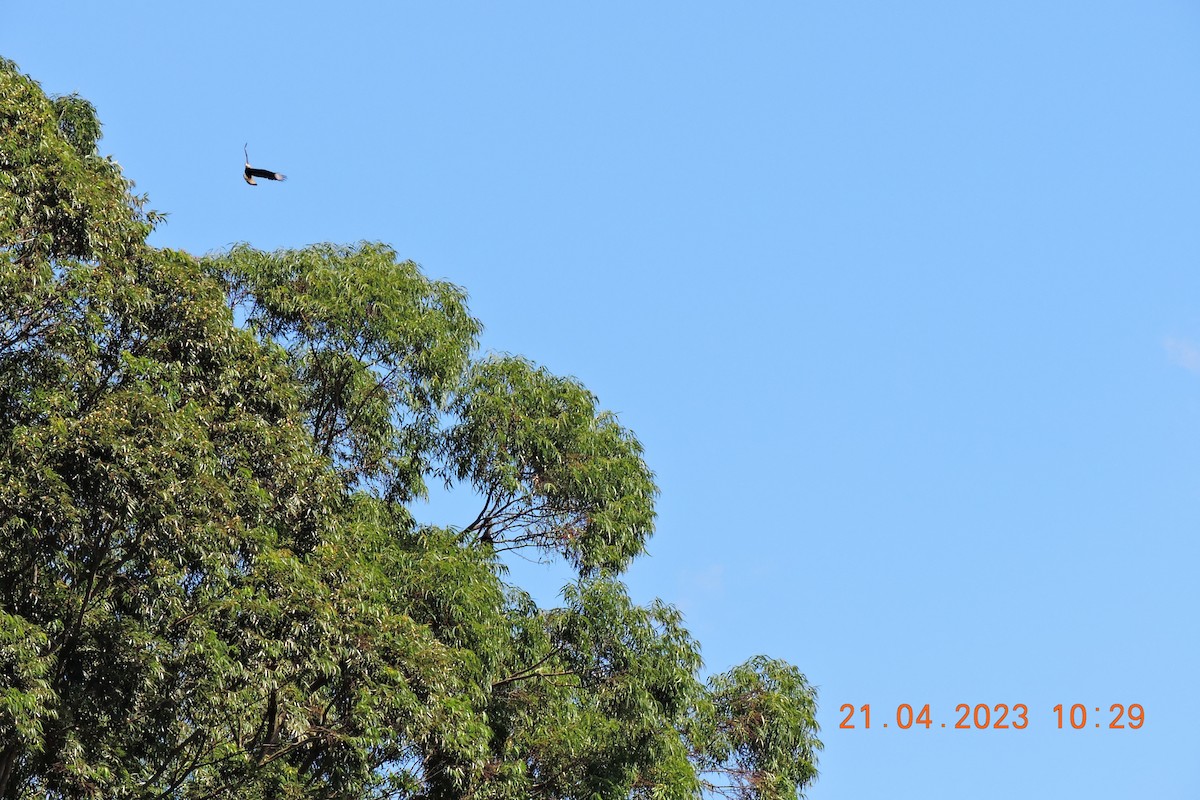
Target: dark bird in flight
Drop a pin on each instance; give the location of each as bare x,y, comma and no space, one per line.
252,172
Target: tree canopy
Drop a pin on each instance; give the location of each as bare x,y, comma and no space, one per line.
210,582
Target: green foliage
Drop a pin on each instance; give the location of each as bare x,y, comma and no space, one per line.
594,697
554,471
58,199
756,735
376,346
210,584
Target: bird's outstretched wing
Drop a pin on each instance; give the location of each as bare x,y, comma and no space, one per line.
254,172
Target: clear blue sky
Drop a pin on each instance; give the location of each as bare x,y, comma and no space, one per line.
902,298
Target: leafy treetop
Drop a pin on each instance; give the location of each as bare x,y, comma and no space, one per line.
210,583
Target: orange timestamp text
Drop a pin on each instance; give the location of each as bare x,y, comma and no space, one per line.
1000,716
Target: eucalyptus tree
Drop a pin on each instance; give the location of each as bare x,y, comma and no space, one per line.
210,581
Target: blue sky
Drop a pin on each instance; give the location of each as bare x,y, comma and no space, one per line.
903,300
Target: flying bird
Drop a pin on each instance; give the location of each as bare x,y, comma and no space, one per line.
252,172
